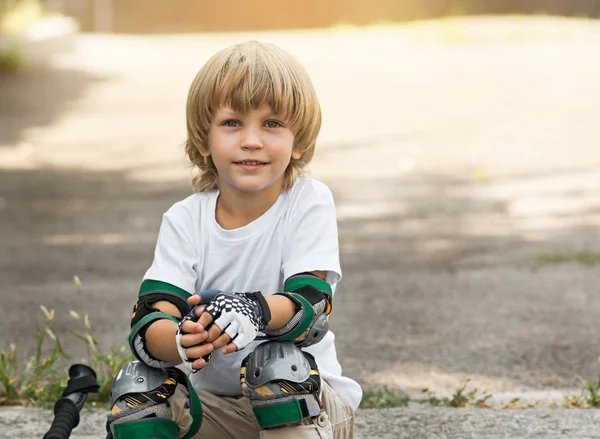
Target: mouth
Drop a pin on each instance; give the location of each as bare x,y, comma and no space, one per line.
250,163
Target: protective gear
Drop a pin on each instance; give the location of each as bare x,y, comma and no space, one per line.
144,315
139,399
206,296
239,315
282,383
312,296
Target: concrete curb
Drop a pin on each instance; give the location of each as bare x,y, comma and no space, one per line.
415,421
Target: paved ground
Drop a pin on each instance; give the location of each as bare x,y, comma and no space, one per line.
405,423
456,162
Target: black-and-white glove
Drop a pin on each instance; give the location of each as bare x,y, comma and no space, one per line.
239,315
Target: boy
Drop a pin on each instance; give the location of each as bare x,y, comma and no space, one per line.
259,243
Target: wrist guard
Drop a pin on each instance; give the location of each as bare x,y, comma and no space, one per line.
313,299
144,315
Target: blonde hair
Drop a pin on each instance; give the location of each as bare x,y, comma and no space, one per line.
244,77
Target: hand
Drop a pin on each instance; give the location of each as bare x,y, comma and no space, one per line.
191,340
233,320
215,335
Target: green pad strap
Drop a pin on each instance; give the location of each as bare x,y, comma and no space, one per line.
146,321
147,428
273,415
151,286
307,317
296,282
195,410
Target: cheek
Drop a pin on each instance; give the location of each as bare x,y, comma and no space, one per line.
288,145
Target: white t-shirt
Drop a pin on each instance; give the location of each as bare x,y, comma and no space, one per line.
297,234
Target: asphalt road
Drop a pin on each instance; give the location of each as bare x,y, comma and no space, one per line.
456,165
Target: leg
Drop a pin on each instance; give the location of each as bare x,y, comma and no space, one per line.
223,417
143,401
288,397
338,423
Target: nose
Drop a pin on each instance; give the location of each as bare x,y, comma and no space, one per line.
251,138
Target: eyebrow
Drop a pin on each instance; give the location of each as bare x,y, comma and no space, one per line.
269,113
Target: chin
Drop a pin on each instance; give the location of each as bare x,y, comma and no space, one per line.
252,184
253,187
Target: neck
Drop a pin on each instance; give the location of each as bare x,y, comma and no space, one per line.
236,209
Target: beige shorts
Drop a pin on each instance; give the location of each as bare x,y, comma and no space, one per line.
232,418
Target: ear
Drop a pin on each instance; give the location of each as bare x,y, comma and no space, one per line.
204,152
296,153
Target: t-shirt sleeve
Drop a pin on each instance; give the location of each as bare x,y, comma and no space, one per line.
311,241
175,256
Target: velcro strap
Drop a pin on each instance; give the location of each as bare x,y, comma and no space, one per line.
146,428
137,342
311,287
291,411
301,280
152,291
312,297
307,315
149,286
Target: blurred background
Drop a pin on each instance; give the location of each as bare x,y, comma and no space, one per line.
460,139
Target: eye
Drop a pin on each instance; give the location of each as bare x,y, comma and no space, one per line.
272,124
231,123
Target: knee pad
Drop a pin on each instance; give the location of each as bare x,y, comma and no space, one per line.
282,383
140,407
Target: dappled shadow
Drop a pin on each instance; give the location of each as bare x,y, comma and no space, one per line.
436,269
57,223
439,272
38,97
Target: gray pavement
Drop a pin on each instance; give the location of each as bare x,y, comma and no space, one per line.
455,165
399,423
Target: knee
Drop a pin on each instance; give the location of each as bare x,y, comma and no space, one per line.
142,402
282,383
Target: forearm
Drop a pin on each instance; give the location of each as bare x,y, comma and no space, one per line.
160,335
160,341
282,310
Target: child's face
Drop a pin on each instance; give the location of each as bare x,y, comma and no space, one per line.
251,151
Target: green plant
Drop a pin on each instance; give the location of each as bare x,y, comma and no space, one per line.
11,59
39,379
472,398
460,398
432,399
588,398
43,377
383,397
516,403
587,258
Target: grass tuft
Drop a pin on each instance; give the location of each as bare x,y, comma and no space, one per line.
586,258
43,377
383,398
